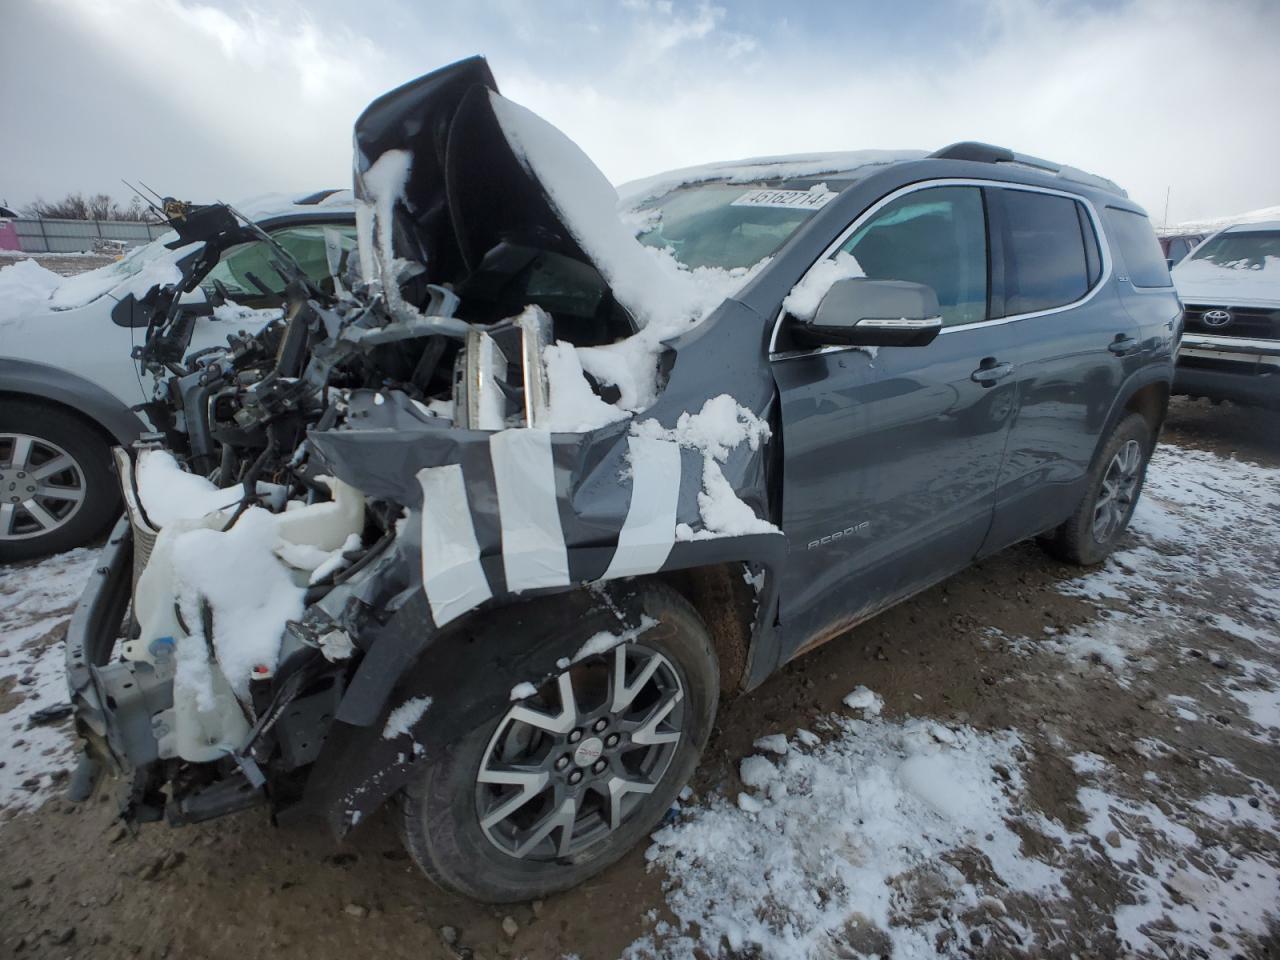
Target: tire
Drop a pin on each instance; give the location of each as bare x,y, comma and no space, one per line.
42,436
441,810
1083,540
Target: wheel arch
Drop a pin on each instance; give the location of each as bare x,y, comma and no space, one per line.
29,380
1146,392
469,667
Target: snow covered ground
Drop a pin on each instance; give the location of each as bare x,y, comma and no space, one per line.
880,826
901,836
35,603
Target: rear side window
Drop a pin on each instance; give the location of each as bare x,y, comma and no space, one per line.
1139,249
1048,263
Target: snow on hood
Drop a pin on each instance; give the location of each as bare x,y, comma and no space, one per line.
27,288
785,167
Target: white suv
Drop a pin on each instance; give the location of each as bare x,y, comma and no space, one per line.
69,386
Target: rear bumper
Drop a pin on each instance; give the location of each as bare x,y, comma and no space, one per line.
1229,368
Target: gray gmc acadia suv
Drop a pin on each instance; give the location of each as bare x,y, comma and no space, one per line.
486,532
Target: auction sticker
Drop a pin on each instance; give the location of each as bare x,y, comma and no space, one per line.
798,199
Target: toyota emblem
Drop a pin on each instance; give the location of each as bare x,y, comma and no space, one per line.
1216,318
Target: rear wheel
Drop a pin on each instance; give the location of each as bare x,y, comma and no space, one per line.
56,486
1115,482
565,781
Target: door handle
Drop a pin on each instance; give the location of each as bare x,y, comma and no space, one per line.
1123,345
989,373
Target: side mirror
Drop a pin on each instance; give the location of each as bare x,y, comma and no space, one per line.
130,312
860,312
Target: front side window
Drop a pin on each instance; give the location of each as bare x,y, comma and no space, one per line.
1139,249
240,266
1048,263
936,236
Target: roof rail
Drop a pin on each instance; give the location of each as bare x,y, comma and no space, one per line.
977,152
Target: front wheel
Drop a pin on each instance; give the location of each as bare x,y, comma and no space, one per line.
1115,482
567,780
56,487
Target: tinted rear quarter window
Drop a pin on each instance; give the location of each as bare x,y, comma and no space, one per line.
1139,249
1048,265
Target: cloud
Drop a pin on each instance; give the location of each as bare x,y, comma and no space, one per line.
238,99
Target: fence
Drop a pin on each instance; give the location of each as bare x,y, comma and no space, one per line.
71,236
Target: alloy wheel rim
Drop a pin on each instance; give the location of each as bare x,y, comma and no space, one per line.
41,486
568,766
1119,490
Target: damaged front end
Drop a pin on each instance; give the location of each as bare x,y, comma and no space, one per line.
408,491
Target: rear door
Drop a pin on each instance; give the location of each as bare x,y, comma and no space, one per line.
891,455
1075,344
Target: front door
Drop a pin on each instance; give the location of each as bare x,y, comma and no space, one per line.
891,456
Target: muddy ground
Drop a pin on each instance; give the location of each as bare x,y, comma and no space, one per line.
66,264
78,884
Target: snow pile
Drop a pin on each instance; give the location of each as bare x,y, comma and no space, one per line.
232,312
714,431
402,719
663,296
522,691
384,183
25,288
802,302
868,701
250,593
604,641
36,602
169,493
828,855
574,406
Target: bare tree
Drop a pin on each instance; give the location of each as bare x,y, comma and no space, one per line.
76,206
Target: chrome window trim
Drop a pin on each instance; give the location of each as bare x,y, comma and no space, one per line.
1104,250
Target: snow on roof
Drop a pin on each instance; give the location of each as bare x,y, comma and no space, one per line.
266,206
1261,216
784,167
1253,225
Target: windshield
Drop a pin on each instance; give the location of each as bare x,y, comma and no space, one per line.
730,225
1241,250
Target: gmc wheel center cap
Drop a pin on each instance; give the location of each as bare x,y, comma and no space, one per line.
588,751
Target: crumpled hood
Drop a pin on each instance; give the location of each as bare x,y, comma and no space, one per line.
466,190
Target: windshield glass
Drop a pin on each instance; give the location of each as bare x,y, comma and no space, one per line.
729,225
1241,250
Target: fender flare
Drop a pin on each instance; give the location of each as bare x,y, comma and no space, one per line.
42,381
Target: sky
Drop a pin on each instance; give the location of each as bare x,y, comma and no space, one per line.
222,99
